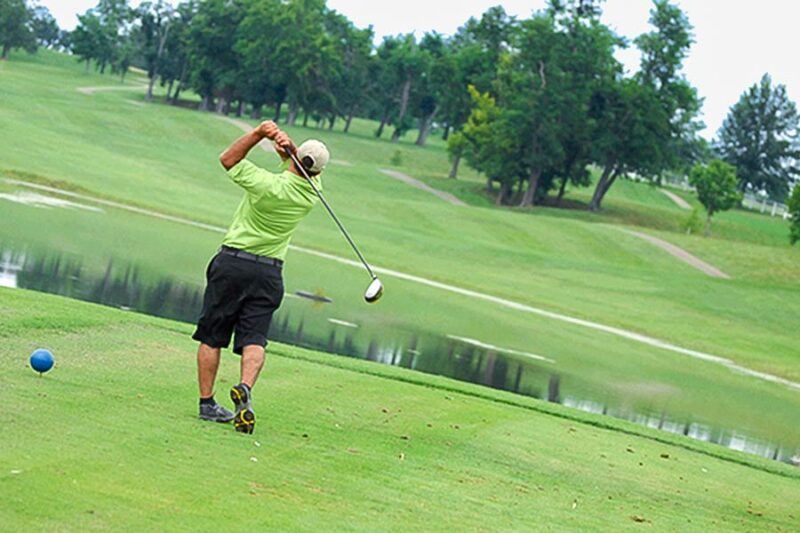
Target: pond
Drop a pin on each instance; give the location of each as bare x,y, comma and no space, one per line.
122,285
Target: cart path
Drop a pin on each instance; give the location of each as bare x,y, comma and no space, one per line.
405,178
680,202
596,326
681,254
92,90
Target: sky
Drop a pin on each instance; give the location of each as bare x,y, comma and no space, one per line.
737,41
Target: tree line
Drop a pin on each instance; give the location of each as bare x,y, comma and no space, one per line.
537,105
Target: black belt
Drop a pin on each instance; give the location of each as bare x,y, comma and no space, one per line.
235,252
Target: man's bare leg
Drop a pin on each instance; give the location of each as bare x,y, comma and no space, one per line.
252,363
207,365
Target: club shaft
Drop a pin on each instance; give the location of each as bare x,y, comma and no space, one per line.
328,207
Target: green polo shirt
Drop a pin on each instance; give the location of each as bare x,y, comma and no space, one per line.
272,207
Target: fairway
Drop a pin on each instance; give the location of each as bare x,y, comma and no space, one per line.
105,445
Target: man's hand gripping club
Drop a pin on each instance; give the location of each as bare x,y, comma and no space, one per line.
242,146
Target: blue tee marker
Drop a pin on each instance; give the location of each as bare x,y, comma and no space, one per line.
42,360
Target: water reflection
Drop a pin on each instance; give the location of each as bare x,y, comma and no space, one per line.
299,323
118,286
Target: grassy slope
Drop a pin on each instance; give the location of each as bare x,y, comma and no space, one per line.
555,258
108,440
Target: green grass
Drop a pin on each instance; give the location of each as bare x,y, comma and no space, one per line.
565,260
109,440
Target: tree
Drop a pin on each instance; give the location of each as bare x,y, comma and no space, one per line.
716,186
409,63
309,56
761,137
257,43
45,28
588,66
396,69
85,40
480,44
436,77
215,65
155,22
490,147
476,50
102,35
456,145
113,49
663,52
794,210
516,136
385,80
535,95
631,129
349,82
16,31
125,53
175,61
647,124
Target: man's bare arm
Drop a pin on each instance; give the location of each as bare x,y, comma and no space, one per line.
242,146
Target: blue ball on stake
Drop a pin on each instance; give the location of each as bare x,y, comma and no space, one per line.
42,360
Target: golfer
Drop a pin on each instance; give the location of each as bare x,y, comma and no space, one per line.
244,282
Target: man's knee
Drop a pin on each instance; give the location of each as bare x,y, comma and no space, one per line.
255,351
256,342
205,350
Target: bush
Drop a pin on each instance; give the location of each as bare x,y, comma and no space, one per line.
694,223
397,158
794,209
716,186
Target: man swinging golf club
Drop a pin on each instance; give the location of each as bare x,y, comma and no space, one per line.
244,280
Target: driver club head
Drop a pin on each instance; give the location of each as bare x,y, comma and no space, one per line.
374,291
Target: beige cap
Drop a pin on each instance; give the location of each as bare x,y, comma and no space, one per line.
314,155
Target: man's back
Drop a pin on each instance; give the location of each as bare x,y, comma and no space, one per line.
273,206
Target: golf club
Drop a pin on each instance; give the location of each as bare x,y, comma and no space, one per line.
375,289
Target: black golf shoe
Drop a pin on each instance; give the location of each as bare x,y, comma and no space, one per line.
245,419
215,413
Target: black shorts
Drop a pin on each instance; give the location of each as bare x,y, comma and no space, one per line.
241,296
